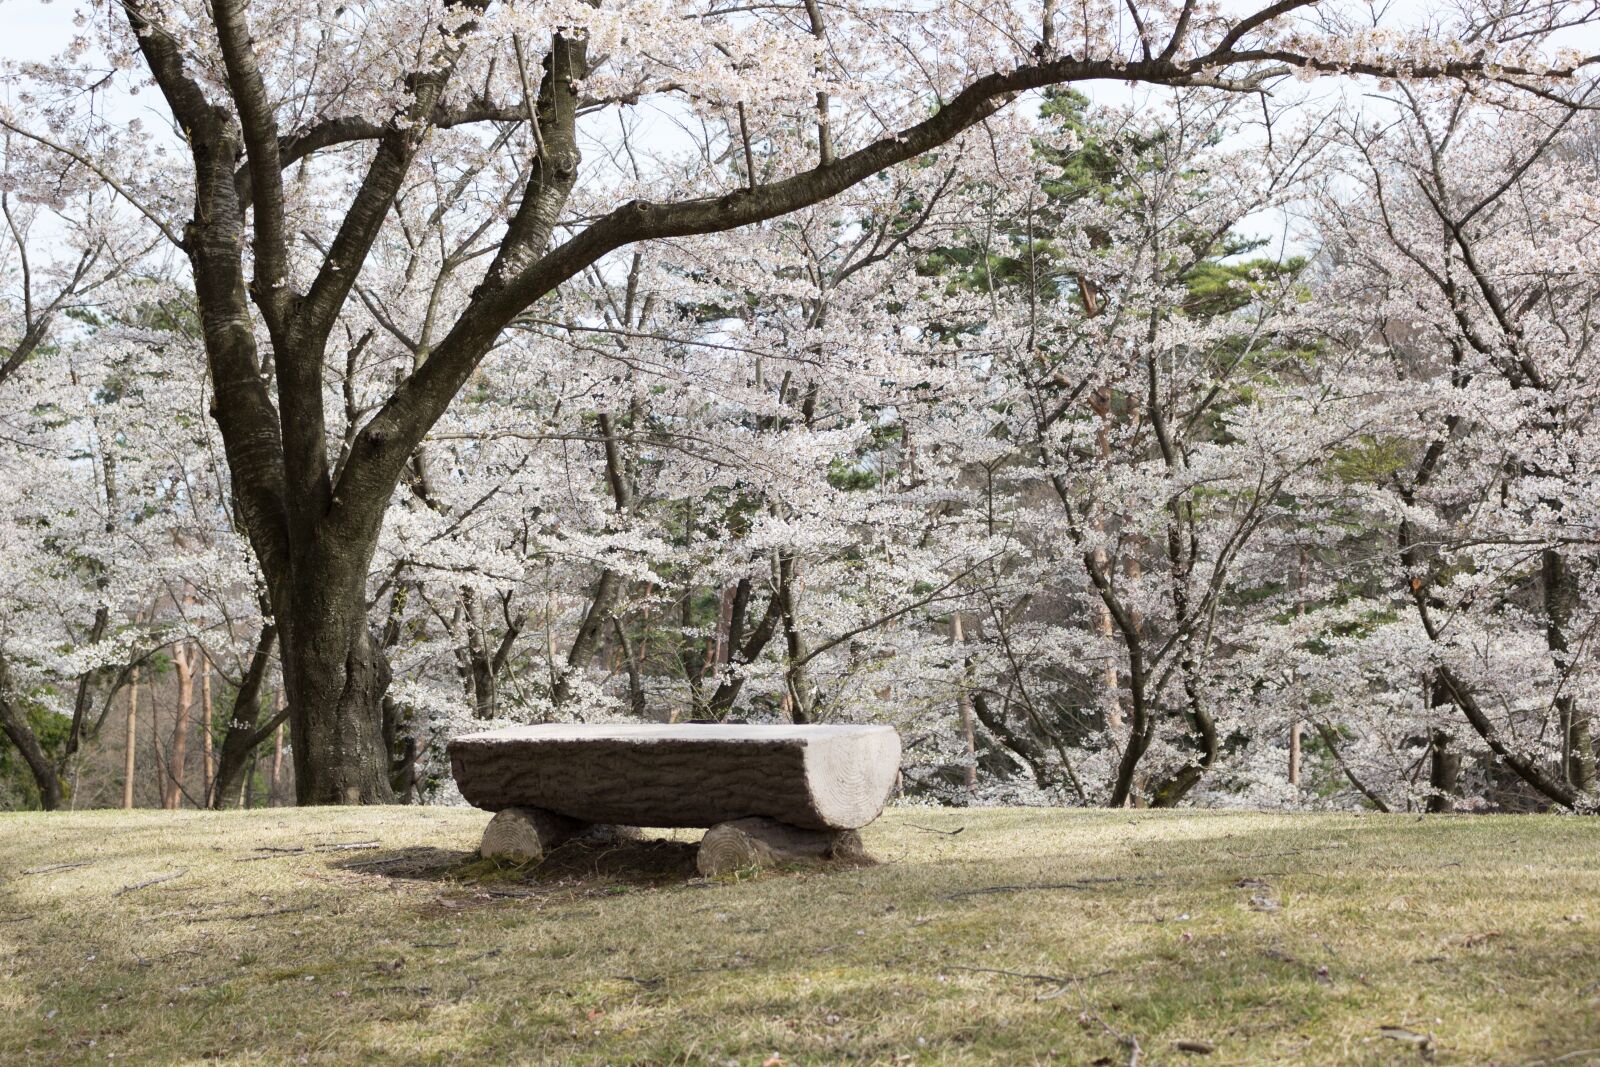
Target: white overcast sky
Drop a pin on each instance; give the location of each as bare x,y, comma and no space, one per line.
34,29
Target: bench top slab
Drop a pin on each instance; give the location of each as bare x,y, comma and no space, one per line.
825,776
646,732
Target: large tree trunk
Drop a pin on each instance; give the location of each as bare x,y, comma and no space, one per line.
336,675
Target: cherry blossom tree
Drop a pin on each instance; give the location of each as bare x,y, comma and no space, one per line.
305,142
1464,242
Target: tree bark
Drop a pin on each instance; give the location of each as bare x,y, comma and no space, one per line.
14,723
178,751
1444,768
743,648
273,797
481,675
1172,791
208,756
969,732
244,734
336,676
1295,731
130,750
796,685
1560,600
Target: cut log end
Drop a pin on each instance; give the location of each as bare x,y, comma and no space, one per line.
747,843
526,835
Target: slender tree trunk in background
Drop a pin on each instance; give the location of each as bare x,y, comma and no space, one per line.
14,724
208,765
588,637
130,746
178,751
718,648
273,795
1444,758
630,662
708,662
1297,728
743,647
1560,600
248,781
158,764
1295,731
1110,684
969,731
724,625
1331,740
1182,550
610,584
480,659
688,662
1444,768
1172,791
245,733
795,681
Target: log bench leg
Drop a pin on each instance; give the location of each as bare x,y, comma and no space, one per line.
525,835
732,846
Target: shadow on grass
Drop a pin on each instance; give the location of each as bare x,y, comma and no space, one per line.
584,865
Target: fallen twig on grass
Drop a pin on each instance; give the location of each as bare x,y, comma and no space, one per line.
1082,883
180,872
274,852
935,830
1053,979
1061,982
254,914
57,867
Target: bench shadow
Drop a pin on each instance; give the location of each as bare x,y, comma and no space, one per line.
582,864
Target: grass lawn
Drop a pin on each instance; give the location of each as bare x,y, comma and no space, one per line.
1029,936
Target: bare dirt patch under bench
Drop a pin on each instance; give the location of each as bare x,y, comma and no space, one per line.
376,936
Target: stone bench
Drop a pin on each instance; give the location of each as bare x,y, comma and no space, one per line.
767,793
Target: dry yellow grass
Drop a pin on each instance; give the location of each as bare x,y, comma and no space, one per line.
1028,937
